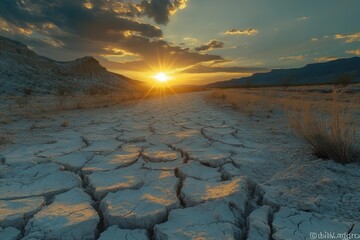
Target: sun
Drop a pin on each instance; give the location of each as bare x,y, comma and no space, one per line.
161,77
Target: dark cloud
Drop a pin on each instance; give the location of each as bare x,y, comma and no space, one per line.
101,22
102,28
200,68
161,10
157,54
210,45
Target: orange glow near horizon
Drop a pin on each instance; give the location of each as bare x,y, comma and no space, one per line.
169,71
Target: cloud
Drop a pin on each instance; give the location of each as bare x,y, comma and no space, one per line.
113,31
157,54
354,52
103,21
107,29
161,10
213,44
314,39
325,59
303,18
247,32
201,68
297,58
349,38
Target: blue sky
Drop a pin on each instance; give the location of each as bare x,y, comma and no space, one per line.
193,41
285,28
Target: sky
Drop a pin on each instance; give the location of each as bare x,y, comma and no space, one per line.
192,41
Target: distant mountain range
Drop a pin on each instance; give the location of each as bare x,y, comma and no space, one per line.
22,70
337,71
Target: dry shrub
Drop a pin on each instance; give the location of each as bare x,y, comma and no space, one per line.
331,136
63,92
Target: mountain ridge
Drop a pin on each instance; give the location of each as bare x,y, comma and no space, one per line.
22,68
331,72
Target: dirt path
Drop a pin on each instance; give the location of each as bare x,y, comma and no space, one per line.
170,168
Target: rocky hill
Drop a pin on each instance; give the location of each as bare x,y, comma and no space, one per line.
22,70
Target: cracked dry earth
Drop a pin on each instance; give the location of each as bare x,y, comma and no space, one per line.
170,168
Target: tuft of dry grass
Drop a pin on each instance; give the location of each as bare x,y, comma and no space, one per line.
65,123
332,136
5,139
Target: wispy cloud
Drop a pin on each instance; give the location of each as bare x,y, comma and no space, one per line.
314,39
213,44
297,58
354,52
201,68
325,59
247,32
303,18
191,40
349,38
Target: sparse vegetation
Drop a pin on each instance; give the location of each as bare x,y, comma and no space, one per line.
97,90
331,131
22,102
62,93
344,80
331,137
65,123
4,139
28,91
241,100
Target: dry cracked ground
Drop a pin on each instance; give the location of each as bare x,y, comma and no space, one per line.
170,168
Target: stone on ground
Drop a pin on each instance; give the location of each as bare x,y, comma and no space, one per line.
145,207
210,156
40,180
160,154
73,161
236,191
15,212
106,145
116,233
293,224
70,216
109,162
258,223
9,233
211,221
101,183
196,170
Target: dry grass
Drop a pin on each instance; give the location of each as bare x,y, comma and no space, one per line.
332,136
331,132
65,123
5,139
39,107
247,103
